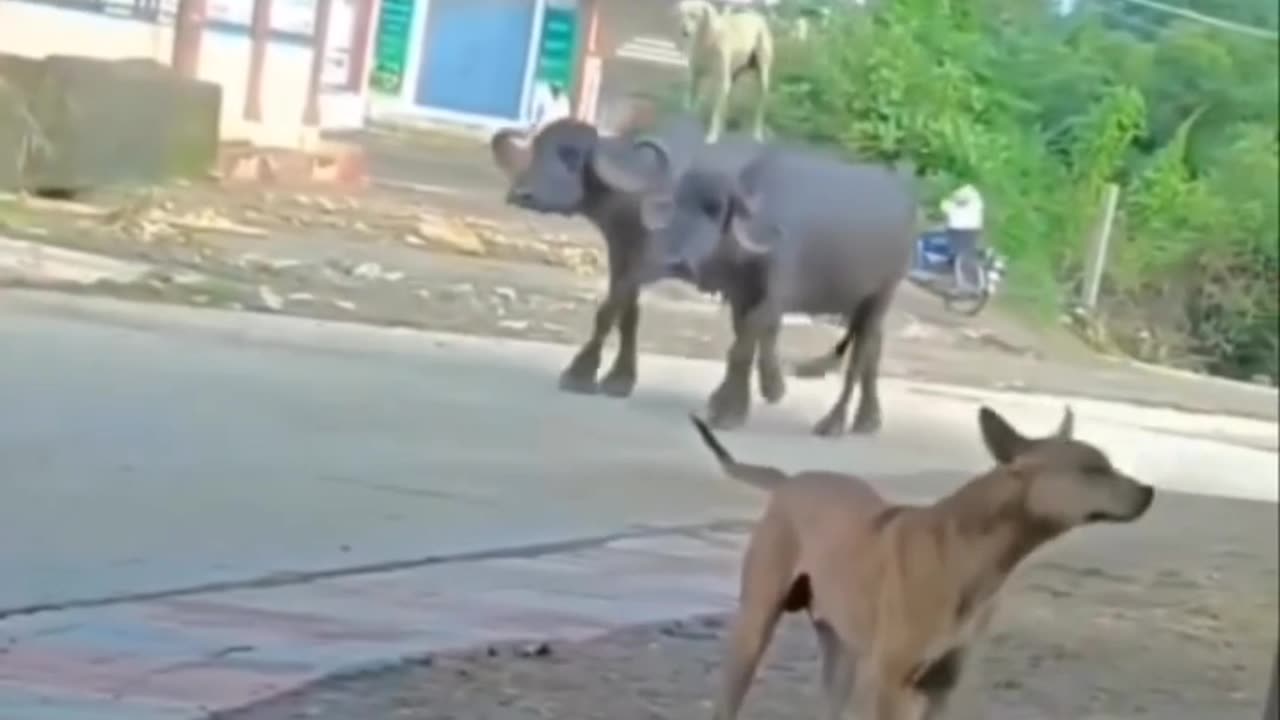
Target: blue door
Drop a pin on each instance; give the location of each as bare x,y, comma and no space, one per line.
474,59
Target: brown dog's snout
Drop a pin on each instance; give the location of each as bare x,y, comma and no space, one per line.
1147,495
1141,496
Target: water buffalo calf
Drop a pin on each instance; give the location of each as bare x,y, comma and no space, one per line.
794,231
570,169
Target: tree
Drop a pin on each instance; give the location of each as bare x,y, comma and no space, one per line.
1043,111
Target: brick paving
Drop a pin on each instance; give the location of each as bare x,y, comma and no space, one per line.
185,657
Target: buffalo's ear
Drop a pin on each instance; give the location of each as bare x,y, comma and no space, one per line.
752,234
655,156
511,151
621,164
1002,440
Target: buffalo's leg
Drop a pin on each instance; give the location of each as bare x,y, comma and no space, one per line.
580,375
867,418
867,321
731,401
621,379
773,386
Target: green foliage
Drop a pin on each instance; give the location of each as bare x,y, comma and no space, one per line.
1042,113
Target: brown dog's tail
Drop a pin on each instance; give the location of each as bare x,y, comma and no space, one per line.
760,476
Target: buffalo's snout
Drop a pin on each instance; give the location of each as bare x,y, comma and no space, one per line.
520,196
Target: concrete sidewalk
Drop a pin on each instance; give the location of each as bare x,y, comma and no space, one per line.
183,657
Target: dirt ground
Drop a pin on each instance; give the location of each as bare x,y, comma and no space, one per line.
1170,619
457,260
1063,650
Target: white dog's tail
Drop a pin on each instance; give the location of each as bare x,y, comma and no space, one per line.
760,476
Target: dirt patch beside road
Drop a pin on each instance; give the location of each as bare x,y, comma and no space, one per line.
1071,643
461,263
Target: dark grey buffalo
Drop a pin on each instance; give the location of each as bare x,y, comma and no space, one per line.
795,231
571,169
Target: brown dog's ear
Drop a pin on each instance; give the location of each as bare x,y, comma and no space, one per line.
1067,427
1003,442
511,151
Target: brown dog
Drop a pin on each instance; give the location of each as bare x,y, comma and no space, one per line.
899,592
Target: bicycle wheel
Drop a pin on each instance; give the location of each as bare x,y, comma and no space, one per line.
970,271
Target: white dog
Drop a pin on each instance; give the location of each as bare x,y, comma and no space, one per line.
721,47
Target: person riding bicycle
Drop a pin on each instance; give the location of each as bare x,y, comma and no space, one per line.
964,215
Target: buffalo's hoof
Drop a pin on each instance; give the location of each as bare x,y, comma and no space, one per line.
618,384
830,426
773,387
866,423
578,383
727,411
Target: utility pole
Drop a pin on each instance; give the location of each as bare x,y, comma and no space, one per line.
188,26
1228,25
319,44
259,37
358,65
1273,704
588,11
1099,248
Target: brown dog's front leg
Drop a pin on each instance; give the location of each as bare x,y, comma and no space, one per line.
879,701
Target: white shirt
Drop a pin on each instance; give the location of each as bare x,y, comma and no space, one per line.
963,209
547,108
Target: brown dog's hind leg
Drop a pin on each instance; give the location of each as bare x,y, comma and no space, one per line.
837,670
768,587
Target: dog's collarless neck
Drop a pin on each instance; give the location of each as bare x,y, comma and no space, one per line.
990,512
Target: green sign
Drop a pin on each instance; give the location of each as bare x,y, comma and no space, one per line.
392,46
556,47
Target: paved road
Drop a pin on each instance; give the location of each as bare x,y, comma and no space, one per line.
236,445
152,449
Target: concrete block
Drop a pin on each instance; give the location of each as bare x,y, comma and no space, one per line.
110,122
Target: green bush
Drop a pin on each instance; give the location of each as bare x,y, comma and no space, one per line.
1042,113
